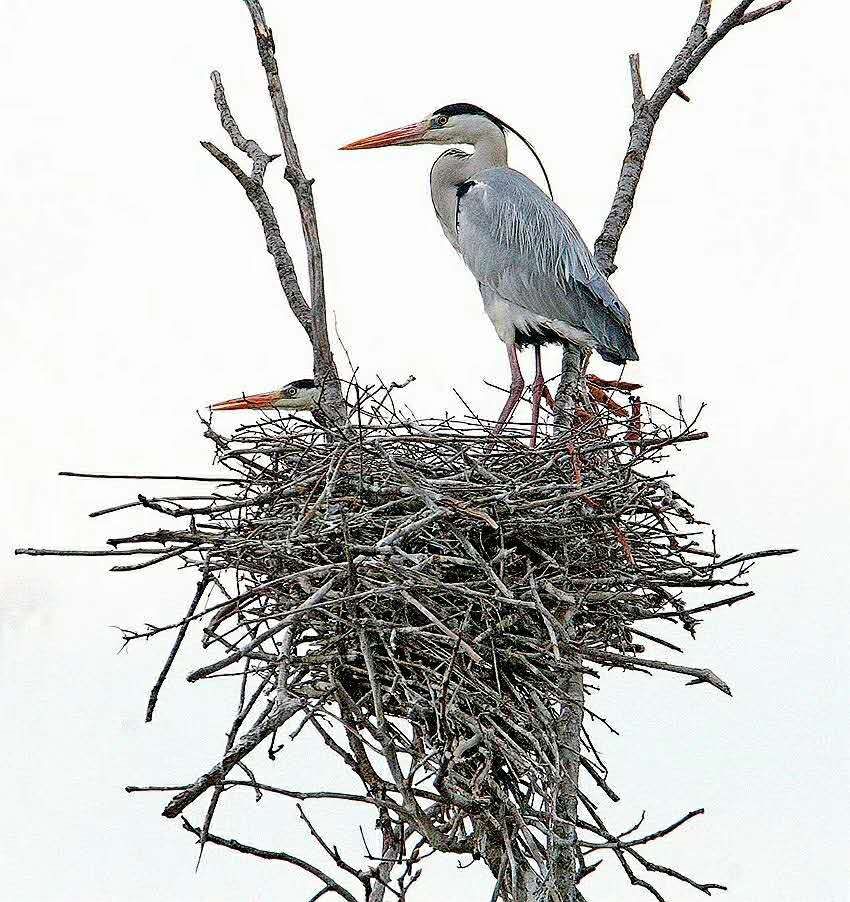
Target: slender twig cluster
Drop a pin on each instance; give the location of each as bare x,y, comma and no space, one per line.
431,603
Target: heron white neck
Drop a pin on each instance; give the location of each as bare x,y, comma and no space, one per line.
489,149
453,167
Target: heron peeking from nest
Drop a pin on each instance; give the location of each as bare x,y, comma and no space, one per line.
302,394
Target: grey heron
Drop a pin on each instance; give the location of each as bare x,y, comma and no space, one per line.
538,280
302,394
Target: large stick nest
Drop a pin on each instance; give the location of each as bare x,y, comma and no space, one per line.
431,601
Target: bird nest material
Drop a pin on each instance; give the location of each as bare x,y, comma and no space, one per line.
433,601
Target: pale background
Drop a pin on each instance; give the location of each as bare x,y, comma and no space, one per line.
136,288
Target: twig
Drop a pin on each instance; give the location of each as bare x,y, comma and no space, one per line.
700,675
181,635
259,158
331,884
324,366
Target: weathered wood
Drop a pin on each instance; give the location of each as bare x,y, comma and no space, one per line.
645,115
324,365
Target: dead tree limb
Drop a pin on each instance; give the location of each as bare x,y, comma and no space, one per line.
324,366
646,111
645,115
311,314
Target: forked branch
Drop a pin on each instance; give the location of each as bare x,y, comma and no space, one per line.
324,366
646,110
275,244
311,314
645,113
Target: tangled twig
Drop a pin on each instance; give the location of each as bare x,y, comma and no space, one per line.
422,597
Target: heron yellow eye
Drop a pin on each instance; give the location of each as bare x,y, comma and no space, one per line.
440,121
290,393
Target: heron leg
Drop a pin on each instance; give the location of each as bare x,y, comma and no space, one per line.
537,389
515,392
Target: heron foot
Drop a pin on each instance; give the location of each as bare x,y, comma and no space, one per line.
617,384
605,400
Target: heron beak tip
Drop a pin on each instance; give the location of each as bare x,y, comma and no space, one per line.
261,401
409,134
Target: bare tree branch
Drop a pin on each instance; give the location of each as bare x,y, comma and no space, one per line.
645,113
259,157
323,361
237,846
264,727
274,240
181,635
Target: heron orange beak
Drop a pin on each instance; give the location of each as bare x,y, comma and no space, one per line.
409,134
261,401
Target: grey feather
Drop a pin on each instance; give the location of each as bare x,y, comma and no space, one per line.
522,247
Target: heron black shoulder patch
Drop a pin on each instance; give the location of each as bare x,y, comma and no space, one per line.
462,188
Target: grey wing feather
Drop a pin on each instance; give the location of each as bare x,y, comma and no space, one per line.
518,242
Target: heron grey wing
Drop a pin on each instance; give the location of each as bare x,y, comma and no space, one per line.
520,243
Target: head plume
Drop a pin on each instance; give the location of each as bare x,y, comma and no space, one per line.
470,109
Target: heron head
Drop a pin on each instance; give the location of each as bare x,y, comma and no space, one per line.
302,394
457,123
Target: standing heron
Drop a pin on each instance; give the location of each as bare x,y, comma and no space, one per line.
539,281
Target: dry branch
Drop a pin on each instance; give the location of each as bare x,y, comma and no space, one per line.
312,314
433,605
324,367
646,112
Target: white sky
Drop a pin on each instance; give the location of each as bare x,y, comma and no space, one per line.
136,288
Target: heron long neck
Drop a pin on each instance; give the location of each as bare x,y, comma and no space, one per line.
489,150
454,167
